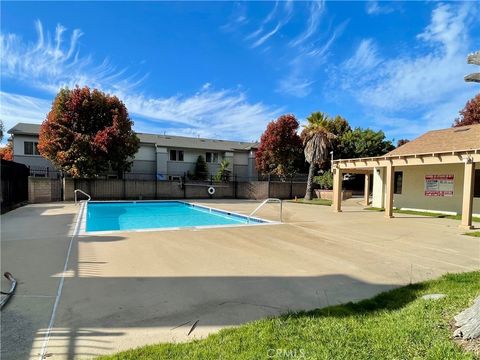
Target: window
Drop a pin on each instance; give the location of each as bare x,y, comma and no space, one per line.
30,148
176,155
397,182
211,157
476,187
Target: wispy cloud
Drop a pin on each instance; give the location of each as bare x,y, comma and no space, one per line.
16,108
365,58
218,113
51,63
298,81
265,30
373,7
429,82
315,13
237,18
310,47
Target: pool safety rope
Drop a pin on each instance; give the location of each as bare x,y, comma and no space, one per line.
13,286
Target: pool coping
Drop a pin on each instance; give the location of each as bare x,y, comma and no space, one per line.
83,219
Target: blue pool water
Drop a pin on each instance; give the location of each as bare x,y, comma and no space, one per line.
108,216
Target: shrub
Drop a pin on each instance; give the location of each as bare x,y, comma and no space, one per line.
201,169
325,180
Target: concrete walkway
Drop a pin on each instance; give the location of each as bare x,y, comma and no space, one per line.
128,289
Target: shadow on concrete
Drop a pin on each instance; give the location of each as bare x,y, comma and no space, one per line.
93,308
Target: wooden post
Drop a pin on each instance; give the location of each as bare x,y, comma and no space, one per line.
337,190
467,205
367,189
389,191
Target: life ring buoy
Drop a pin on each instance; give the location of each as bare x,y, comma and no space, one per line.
211,190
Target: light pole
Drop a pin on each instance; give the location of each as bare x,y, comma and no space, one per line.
331,161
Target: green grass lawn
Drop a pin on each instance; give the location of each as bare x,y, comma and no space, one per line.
393,325
313,201
424,213
473,233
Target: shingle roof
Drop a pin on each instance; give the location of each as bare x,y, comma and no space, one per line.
444,140
160,140
195,143
25,129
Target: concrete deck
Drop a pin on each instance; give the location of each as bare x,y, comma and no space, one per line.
128,289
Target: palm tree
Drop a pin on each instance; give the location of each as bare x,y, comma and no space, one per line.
316,141
223,173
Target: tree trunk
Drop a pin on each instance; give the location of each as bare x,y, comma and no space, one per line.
311,174
468,322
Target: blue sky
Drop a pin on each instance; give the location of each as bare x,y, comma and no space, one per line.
224,69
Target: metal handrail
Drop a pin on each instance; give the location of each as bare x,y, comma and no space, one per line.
265,202
83,192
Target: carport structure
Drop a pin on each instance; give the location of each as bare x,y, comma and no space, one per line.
451,151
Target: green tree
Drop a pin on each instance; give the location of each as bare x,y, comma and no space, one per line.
201,169
317,141
87,133
364,143
325,180
337,126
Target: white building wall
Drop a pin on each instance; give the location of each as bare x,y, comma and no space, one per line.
413,189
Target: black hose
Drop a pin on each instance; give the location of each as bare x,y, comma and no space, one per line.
8,294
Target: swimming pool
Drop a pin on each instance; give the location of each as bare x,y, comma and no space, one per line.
161,215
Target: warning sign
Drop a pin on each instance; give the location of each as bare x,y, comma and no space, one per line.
439,185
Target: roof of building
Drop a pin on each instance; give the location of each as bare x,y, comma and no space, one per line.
444,140
160,140
195,143
25,129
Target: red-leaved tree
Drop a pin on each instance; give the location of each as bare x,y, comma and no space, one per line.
470,114
87,133
6,152
280,151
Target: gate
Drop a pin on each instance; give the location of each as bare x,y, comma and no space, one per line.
56,189
14,177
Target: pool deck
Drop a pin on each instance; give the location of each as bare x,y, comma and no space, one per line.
127,289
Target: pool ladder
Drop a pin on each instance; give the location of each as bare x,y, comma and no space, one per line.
266,201
82,192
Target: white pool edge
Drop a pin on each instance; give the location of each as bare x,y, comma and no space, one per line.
83,221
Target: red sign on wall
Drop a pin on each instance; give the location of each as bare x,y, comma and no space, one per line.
439,185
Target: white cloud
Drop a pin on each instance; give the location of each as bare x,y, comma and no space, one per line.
373,7
261,35
15,108
222,113
316,10
266,36
295,85
298,81
365,58
427,82
48,65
